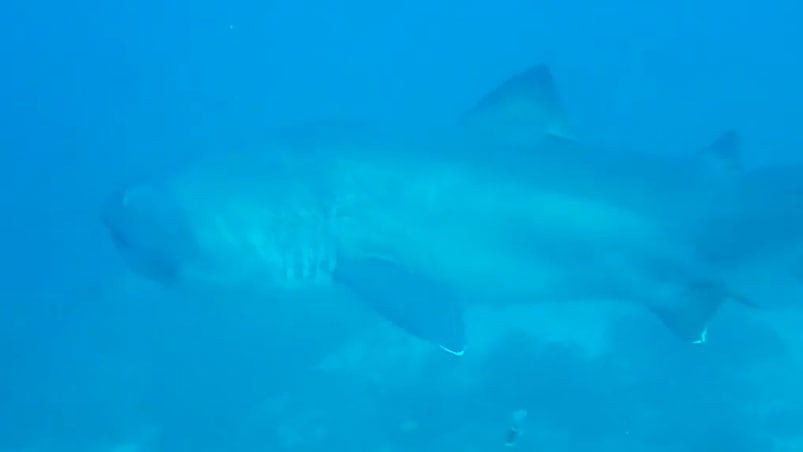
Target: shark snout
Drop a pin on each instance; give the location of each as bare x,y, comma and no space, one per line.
149,230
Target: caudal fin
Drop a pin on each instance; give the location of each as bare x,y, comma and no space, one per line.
525,108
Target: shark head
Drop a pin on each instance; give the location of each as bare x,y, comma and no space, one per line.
148,230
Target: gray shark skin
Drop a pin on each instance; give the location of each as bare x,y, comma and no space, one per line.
417,227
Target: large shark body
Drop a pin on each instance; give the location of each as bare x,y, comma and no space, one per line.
419,227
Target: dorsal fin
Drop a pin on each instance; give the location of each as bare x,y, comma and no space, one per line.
725,152
525,108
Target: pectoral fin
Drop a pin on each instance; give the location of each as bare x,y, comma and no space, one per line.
689,317
414,302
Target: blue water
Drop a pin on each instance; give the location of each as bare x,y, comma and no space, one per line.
96,94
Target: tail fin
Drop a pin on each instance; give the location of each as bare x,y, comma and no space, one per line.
690,317
525,107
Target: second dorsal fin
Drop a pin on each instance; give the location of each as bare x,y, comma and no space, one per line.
725,152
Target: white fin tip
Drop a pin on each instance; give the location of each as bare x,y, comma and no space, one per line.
455,353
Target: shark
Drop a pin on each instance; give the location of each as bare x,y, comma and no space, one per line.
506,207
755,235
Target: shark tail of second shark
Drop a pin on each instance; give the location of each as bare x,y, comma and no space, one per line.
691,315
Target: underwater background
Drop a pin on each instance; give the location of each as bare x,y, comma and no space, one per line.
95,94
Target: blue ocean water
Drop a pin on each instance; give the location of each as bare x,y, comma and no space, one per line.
95,94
